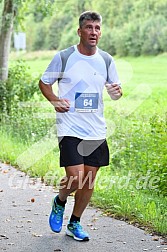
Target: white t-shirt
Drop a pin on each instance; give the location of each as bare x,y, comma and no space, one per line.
82,83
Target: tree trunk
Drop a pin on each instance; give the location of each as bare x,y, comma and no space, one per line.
5,37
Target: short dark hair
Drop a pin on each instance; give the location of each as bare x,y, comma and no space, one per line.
89,15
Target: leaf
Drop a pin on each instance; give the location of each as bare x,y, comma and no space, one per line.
89,225
156,238
4,236
94,228
36,235
5,171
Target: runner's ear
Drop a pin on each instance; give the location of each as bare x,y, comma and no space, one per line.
79,32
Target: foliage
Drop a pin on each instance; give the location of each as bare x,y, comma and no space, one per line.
19,104
39,10
162,39
39,39
107,40
14,12
136,39
150,33
158,163
127,40
18,87
129,27
55,29
144,153
135,206
68,38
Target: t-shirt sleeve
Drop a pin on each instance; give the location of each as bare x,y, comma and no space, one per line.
112,73
53,70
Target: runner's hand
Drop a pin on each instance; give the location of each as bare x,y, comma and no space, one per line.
62,105
114,90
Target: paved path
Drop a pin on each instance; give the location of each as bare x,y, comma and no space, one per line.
24,209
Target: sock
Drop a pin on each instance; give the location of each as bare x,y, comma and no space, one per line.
74,218
59,202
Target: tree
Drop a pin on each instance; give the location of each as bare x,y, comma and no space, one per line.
9,12
5,36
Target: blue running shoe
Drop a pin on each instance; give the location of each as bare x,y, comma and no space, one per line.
74,229
56,217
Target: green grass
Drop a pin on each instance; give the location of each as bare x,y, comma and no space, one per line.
137,144
47,167
10,149
122,196
37,61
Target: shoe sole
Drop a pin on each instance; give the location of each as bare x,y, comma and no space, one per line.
69,233
55,231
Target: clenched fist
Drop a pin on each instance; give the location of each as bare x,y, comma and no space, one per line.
114,90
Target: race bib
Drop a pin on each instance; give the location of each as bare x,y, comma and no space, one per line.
86,102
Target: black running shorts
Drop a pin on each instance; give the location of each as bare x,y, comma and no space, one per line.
75,151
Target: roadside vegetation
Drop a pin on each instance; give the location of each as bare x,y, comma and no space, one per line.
129,27
134,186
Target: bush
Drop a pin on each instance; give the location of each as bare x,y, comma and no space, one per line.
18,87
163,39
20,96
144,37
144,153
133,42
39,39
55,32
127,40
69,37
106,42
120,38
158,150
150,33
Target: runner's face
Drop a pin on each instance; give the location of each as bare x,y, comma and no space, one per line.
90,33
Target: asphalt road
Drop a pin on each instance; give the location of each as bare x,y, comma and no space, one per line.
24,211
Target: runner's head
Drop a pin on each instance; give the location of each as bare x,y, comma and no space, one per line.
89,15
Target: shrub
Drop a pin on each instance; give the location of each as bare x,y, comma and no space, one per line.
144,153
56,31
162,39
107,42
39,39
69,37
150,33
18,87
120,39
19,105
